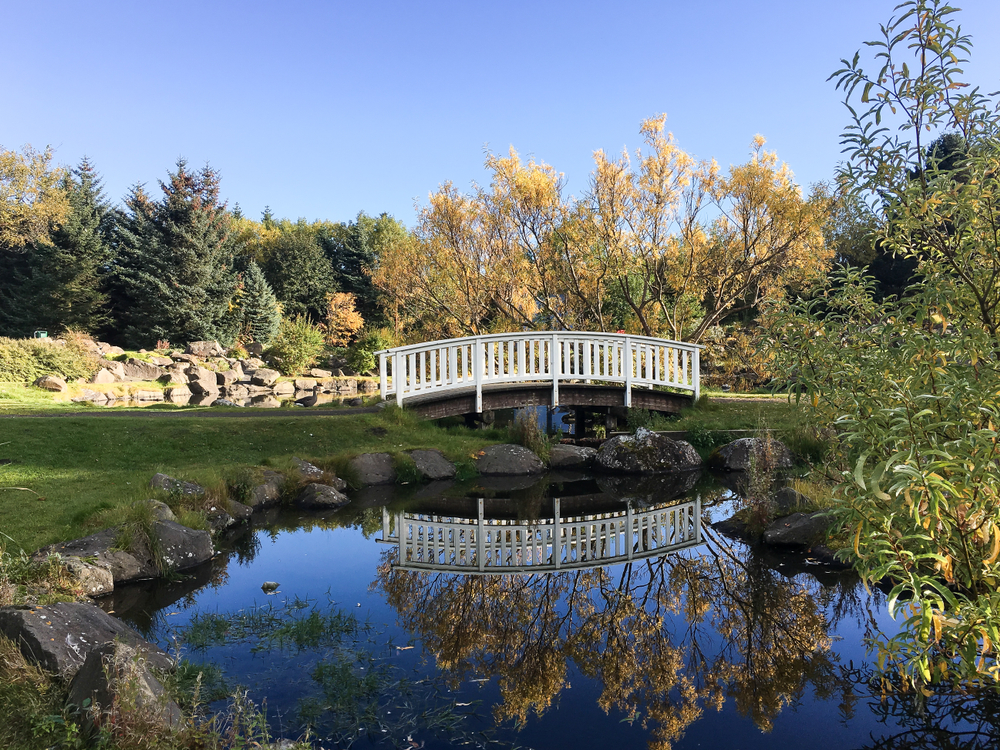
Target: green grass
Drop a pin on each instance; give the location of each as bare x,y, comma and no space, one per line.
81,466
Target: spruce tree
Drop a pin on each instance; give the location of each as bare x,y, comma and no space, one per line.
260,312
298,271
173,274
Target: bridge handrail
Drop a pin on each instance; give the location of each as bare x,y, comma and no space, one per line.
527,356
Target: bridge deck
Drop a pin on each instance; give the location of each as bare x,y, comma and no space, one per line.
455,402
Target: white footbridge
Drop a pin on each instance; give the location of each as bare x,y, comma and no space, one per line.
493,546
508,359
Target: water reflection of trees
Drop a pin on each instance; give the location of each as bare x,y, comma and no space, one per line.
666,638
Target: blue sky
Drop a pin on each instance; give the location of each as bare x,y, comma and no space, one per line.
324,109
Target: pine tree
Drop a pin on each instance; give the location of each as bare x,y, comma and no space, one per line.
261,314
173,275
298,271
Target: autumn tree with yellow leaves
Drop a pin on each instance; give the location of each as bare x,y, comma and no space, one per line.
661,244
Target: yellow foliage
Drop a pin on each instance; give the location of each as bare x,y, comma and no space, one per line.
342,320
31,199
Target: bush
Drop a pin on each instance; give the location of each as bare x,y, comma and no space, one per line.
297,346
26,360
361,355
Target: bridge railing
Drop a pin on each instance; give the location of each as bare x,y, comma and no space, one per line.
490,546
560,356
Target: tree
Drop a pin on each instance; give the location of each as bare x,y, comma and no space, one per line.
172,276
912,384
31,199
297,269
259,308
342,320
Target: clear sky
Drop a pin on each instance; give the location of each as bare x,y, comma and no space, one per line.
321,109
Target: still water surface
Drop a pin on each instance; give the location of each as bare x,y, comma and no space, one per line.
696,642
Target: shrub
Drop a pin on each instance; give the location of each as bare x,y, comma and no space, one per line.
25,360
297,345
361,355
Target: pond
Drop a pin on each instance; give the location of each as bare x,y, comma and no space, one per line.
565,611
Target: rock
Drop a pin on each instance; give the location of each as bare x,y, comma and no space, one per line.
342,387
177,392
147,396
102,377
87,395
239,511
205,349
307,470
269,493
237,392
226,402
255,348
571,457
113,351
284,388
353,402
797,529
251,363
163,482
646,453
736,456
305,384
202,380
373,468
736,528
268,586
368,386
59,637
160,361
265,377
180,357
788,500
137,370
115,679
433,465
317,373
348,372
508,460
316,496
226,377
219,519
52,383
161,511
93,579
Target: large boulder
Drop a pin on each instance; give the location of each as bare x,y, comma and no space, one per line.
265,377
137,370
59,637
227,377
177,548
373,468
114,679
102,377
571,456
269,493
164,482
159,361
284,388
93,579
318,373
305,384
432,465
646,452
205,349
798,530
740,455
177,393
201,380
321,497
508,460
52,383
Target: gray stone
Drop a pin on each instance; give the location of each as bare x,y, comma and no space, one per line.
269,493
87,395
433,465
226,377
102,377
239,511
646,453
138,370
353,402
219,519
265,377
740,454
237,392
373,468
115,678
797,530
305,384
205,349
147,396
201,380
113,351
571,456
52,383
177,392
163,482
160,361
317,373
368,386
161,511
93,579
321,496
116,368
59,637
181,357
787,500
346,387
284,388
307,470
251,363
508,460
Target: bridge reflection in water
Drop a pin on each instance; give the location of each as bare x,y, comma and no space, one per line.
496,546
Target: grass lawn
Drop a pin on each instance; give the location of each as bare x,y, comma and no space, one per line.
81,465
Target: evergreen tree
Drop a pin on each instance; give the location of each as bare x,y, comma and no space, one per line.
173,275
298,271
260,312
